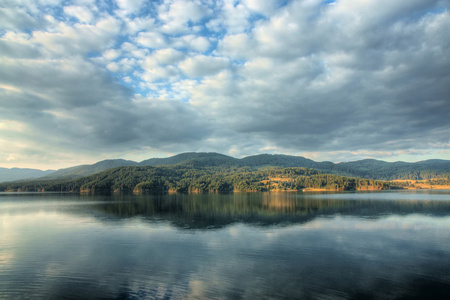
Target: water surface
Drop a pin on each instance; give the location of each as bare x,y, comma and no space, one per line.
384,245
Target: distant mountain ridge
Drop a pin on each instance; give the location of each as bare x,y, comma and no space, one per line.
367,168
19,174
197,158
86,170
377,169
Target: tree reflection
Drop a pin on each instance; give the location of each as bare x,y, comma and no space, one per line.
205,211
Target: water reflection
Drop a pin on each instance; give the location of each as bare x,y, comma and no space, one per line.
206,211
217,210
355,246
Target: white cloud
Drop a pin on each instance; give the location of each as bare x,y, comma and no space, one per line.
85,2
214,25
140,53
50,2
129,47
264,7
175,14
132,50
191,42
78,39
134,25
111,54
235,17
18,18
123,65
152,40
168,56
289,34
82,13
129,6
201,65
238,46
200,44
154,71
113,67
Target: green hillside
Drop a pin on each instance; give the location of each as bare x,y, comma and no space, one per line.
184,178
377,169
193,159
368,168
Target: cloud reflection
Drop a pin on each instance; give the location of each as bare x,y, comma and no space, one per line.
91,252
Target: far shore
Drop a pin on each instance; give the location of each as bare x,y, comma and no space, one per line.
420,185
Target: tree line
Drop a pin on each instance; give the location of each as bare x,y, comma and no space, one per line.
185,178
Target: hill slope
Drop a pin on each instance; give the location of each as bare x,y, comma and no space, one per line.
367,168
20,174
210,159
184,178
377,169
86,170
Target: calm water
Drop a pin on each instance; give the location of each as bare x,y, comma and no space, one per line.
386,245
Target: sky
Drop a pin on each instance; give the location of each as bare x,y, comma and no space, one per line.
87,80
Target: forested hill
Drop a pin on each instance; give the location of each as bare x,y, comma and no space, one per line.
191,158
185,179
377,169
204,159
368,168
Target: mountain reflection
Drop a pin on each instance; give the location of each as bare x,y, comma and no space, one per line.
206,211
349,246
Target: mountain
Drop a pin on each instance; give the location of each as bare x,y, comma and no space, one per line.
377,169
367,168
205,159
188,178
190,158
86,170
21,174
212,159
278,160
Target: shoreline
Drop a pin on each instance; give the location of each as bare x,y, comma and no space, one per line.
305,190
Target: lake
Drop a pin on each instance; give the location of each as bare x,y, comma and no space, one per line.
380,245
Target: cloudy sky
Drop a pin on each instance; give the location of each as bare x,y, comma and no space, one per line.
86,80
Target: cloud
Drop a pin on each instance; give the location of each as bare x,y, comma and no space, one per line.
129,6
83,14
154,40
234,17
175,15
111,54
200,66
53,110
192,42
135,25
168,56
236,46
13,19
349,79
17,45
266,8
307,95
78,39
